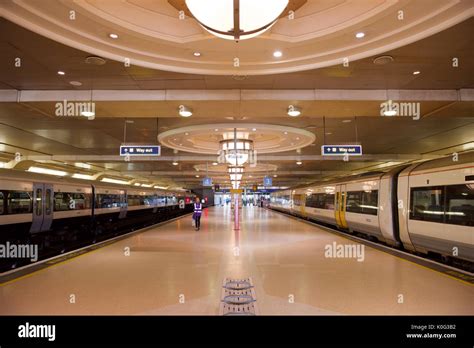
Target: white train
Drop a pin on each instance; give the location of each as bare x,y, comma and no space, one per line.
427,207
63,214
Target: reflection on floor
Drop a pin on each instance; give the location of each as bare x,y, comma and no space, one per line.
173,269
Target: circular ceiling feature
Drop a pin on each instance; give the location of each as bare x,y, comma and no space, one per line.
236,19
223,168
267,138
311,34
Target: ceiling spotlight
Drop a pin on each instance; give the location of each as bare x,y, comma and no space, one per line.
197,54
215,163
87,113
175,163
197,176
113,36
390,113
299,163
285,133
293,111
61,73
416,72
75,83
277,54
360,35
184,111
254,129
275,176
216,129
346,121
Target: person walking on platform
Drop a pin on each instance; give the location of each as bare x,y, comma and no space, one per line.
197,213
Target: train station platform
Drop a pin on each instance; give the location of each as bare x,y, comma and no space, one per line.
174,270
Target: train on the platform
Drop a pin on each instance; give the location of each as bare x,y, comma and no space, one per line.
64,214
425,208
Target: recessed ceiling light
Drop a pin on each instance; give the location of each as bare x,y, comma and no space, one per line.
186,133
285,133
184,111
346,121
61,73
197,176
175,163
215,163
416,72
113,36
254,129
87,113
75,83
299,163
293,111
275,176
216,129
390,113
197,54
277,54
360,35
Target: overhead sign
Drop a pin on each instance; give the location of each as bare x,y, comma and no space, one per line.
341,150
207,181
267,181
140,150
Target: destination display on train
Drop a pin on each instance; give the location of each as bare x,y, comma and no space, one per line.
140,150
341,150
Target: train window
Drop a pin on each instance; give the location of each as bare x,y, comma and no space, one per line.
48,202
1,203
64,201
369,202
354,201
427,204
18,202
39,202
329,201
460,205
109,201
362,202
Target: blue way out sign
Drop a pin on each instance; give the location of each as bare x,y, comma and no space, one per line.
341,150
140,150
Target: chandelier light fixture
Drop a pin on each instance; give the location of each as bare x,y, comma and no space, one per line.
236,19
237,149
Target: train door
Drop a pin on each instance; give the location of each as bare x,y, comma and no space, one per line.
340,210
43,202
123,205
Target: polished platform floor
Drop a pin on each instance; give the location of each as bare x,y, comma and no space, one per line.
172,263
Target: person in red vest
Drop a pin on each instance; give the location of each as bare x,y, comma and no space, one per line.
197,213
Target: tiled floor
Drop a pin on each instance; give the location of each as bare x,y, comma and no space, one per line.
174,270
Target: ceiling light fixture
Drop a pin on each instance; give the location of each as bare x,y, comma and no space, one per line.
61,73
293,111
175,163
82,176
47,171
113,36
346,121
184,111
197,54
277,54
236,19
299,163
416,72
115,181
360,35
215,163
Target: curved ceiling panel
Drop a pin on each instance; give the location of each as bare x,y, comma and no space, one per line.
151,34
